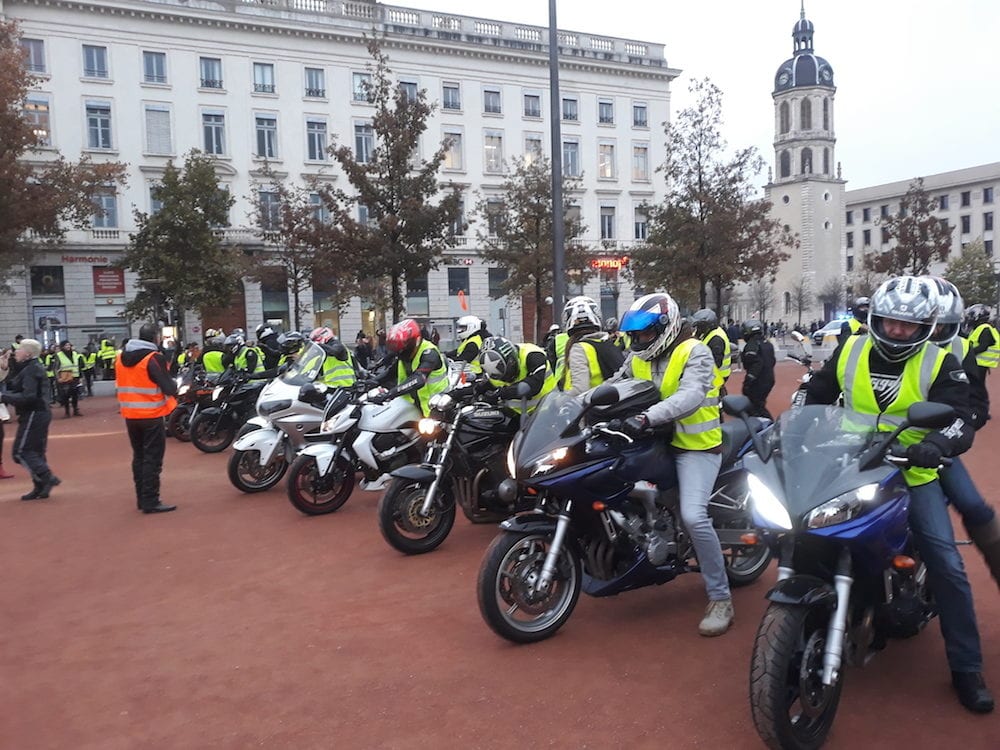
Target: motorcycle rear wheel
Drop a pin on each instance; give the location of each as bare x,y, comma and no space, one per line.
314,495
179,423
400,521
505,587
744,565
212,434
791,707
247,475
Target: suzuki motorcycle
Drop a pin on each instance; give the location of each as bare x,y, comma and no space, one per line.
829,498
607,516
463,465
234,399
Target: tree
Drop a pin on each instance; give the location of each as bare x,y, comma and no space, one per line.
918,237
801,296
178,252
403,231
39,196
709,229
833,295
865,280
763,297
518,232
972,272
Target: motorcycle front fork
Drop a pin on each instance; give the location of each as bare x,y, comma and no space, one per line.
558,539
425,509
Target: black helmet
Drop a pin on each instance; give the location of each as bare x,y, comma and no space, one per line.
976,315
291,342
750,328
860,309
233,343
704,320
499,359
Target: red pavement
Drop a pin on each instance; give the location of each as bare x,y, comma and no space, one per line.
236,622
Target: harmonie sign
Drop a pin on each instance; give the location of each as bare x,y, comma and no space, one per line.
609,264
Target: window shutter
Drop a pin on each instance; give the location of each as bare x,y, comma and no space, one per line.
158,131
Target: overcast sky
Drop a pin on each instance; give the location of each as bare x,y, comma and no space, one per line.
917,86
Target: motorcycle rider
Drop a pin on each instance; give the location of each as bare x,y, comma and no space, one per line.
470,332
339,370
506,364
267,344
706,328
856,324
212,353
664,352
555,349
758,361
881,374
290,345
591,355
243,359
621,340
984,343
420,370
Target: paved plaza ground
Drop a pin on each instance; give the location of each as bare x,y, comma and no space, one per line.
235,622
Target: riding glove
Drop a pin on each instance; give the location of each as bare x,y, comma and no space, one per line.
925,455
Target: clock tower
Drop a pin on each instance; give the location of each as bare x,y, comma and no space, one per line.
805,188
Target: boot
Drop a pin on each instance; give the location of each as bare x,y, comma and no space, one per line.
34,493
47,484
987,538
3,472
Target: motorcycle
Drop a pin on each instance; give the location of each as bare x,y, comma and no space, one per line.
804,359
464,465
234,398
831,502
287,420
597,527
194,392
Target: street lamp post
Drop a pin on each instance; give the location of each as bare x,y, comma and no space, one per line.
558,240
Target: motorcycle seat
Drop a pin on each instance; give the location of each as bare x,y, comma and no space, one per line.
735,435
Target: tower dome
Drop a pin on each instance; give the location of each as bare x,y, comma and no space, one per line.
804,68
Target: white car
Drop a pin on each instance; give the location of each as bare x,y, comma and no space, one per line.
828,333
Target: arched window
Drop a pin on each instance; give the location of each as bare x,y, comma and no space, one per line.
785,165
826,114
785,117
806,166
806,115
826,161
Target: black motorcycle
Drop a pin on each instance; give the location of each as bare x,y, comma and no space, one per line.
194,393
463,466
234,401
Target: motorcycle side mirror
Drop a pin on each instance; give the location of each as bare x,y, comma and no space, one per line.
523,390
736,405
804,343
798,336
930,415
605,395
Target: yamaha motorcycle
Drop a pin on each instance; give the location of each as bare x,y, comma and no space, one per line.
234,400
830,500
597,526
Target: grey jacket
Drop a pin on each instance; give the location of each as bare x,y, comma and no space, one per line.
579,366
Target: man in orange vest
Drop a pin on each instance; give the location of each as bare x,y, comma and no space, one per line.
145,396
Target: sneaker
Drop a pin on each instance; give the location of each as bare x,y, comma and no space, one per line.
718,617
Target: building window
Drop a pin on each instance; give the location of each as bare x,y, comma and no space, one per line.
988,247
37,112
785,164
417,299
532,148
640,225
320,212
988,221
457,226
945,226
850,263
966,223
606,112
214,126
966,198
491,101
826,114
606,161
866,238
47,281
453,156
364,142
211,73
315,83
316,140
154,67
34,51
640,163
361,87
155,203
885,236
408,90
458,281
99,125
942,202
784,118
849,218
95,61
495,214
493,153
496,279
607,222
106,213
639,116
826,161
806,114
866,215
532,105
269,204
987,195
569,110
451,96
883,211
266,127
806,163
571,158
158,139
850,239
263,78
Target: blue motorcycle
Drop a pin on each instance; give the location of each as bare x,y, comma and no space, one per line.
606,515
829,497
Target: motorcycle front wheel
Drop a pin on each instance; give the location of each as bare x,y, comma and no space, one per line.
400,521
317,495
247,475
791,707
211,433
179,423
509,600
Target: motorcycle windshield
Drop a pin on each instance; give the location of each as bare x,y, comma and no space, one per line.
815,450
306,367
545,425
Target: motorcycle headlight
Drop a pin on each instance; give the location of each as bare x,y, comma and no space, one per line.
183,389
428,426
511,468
842,508
549,461
216,392
440,401
767,505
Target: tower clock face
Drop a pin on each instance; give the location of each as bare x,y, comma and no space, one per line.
783,79
826,74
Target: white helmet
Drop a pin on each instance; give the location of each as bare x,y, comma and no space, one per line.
908,299
951,308
654,322
466,326
581,312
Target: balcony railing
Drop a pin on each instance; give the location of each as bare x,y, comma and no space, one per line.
316,93
211,83
95,72
105,234
260,88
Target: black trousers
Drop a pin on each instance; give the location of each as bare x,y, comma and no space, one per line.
149,441
68,395
30,444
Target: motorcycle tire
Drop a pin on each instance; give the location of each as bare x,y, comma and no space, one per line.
247,475
315,495
504,590
745,564
179,424
400,521
791,707
210,434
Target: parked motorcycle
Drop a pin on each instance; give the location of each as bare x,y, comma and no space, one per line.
463,465
804,358
831,502
194,392
596,526
234,400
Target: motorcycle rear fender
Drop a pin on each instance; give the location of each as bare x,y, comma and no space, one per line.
805,591
265,441
415,473
529,523
322,454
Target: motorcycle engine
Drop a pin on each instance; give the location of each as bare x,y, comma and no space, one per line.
655,534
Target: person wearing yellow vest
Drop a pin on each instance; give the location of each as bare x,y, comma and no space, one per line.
470,332
338,368
591,357
707,328
246,360
106,354
664,352
67,365
984,339
145,396
857,324
619,339
89,367
881,374
506,365
211,353
420,370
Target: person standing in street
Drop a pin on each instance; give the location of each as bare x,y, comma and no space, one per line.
28,391
145,396
758,361
66,365
5,363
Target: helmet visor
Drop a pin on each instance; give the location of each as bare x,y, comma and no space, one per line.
638,320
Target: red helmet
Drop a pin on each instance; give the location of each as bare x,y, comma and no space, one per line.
403,337
321,335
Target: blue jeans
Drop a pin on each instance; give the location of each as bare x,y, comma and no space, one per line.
696,475
935,541
962,494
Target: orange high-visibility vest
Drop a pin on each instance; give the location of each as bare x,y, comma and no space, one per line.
138,396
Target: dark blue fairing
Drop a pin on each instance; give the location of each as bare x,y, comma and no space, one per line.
641,573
